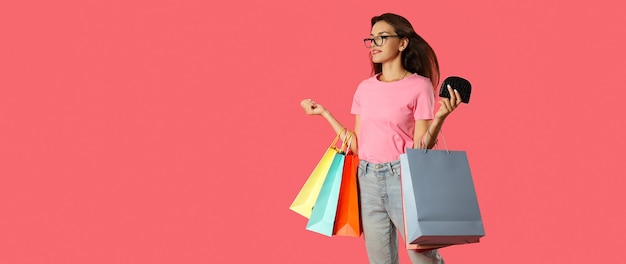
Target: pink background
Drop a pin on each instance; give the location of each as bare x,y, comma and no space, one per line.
171,132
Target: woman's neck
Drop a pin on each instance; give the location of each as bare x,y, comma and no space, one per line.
392,72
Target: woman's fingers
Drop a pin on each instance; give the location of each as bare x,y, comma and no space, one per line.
451,93
459,99
455,96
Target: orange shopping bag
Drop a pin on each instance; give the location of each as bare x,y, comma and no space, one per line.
348,219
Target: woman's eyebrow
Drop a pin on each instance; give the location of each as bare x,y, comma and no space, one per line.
380,33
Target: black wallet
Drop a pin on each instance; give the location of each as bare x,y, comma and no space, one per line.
462,85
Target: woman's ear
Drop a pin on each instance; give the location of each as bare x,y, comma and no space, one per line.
404,43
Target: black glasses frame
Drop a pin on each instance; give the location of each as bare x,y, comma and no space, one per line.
378,40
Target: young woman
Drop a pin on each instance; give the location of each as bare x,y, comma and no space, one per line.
394,111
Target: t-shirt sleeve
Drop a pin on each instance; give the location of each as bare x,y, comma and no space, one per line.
424,103
356,103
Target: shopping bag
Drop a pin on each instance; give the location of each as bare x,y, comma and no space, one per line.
348,219
325,208
439,200
304,201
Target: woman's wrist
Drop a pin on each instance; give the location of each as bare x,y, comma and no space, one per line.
437,122
326,114
439,119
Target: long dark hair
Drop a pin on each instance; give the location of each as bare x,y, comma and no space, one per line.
418,57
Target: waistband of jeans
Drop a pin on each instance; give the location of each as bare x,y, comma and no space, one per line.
372,165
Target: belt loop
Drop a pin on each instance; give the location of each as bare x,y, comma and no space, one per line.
391,168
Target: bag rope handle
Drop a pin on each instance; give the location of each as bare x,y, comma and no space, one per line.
422,143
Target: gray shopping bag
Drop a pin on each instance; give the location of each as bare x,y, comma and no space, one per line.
439,200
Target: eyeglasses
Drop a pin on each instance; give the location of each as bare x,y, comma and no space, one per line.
377,41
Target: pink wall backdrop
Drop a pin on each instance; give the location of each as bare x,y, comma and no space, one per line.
170,131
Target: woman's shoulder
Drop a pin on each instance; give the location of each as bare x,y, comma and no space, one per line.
372,78
419,79
420,82
368,82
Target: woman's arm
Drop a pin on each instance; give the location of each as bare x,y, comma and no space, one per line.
338,127
426,132
312,108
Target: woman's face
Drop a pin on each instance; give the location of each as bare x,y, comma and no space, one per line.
389,46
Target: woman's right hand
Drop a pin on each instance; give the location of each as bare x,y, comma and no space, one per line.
312,108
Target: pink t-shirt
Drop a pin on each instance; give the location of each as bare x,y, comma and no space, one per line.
388,111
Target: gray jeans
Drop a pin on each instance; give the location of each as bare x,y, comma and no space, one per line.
381,209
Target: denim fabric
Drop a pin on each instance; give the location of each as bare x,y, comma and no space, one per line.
381,210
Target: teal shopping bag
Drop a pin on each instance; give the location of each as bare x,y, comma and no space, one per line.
325,208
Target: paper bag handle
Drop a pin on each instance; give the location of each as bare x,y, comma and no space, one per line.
442,136
337,138
348,139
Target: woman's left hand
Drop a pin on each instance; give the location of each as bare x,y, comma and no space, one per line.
448,105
